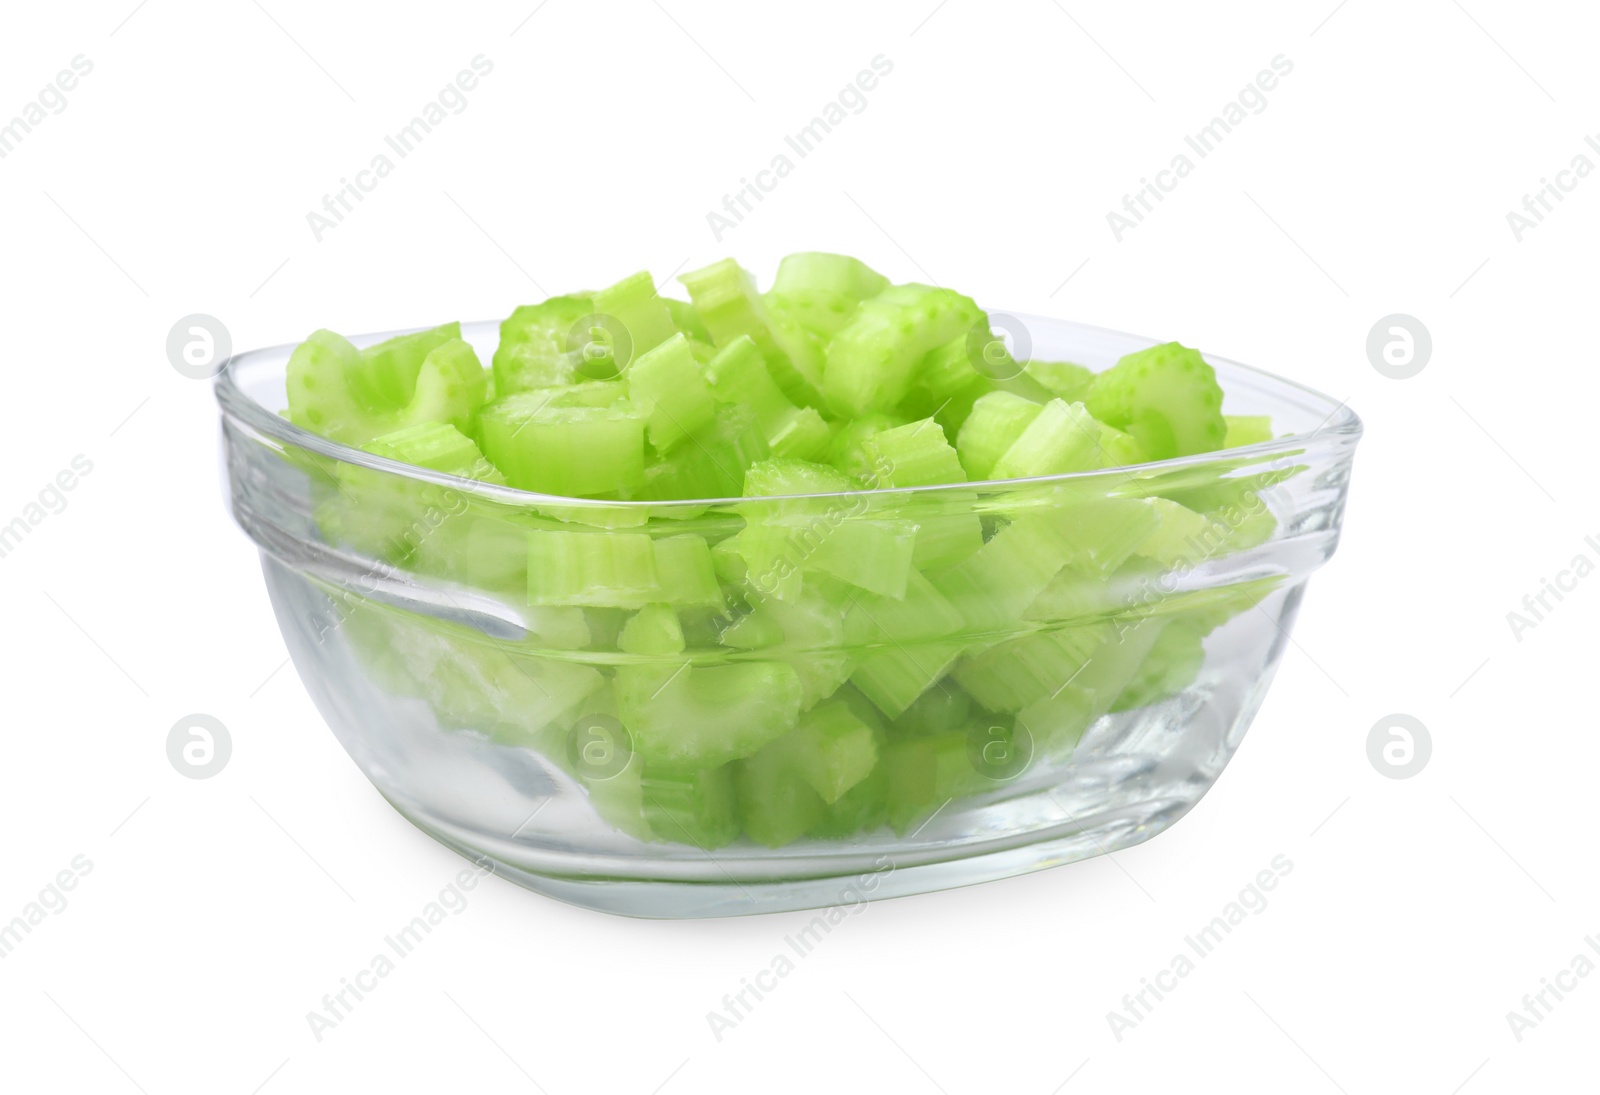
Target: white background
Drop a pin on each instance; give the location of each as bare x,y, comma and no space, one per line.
218,912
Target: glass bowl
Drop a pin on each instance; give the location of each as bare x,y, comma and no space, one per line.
1063,670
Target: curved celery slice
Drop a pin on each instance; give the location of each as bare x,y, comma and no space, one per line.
689,716
1166,397
872,360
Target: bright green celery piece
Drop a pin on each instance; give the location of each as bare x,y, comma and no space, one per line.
996,422
871,362
1058,721
1119,449
1063,379
712,463
869,554
620,570
1171,666
726,298
916,455
1246,429
603,570
1166,397
685,574
389,368
993,586
685,716
698,807
654,630
925,772
666,384
913,455
832,749
863,807
396,518
935,711
1018,672
333,391
634,304
847,449
436,445
738,374
821,291
1179,534
912,641
777,806
807,632
1062,437
686,319
573,451
538,344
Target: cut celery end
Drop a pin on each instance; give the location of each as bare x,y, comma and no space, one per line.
996,422
912,641
653,631
685,574
1180,534
666,385
698,808
924,773
833,749
1062,437
1165,396
436,445
821,291
872,555
802,434
573,451
777,806
712,463
807,632
847,449
389,369
1014,674
728,303
602,570
633,306
327,393
1246,429
1171,666
620,570
912,455
537,346
872,360
704,717
687,320
739,375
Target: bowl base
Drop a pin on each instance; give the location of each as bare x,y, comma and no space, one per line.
668,898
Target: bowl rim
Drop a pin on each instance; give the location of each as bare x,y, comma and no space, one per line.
239,407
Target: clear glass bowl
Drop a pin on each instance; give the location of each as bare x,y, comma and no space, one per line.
1074,698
